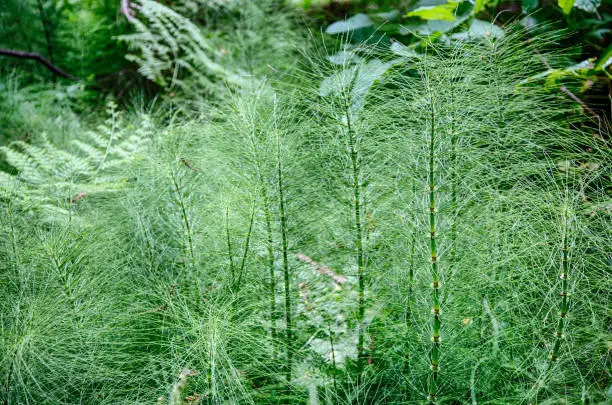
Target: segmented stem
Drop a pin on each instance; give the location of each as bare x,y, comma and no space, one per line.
246,248
453,179
229,244
269,240
181,202
333,356
283,222
435,350
352,143
554,354
270,247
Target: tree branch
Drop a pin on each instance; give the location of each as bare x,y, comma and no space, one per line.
39,58
126,9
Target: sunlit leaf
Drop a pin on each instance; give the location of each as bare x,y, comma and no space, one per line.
605,59
478,5
444,12
566,5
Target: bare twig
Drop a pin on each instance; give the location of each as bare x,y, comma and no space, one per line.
78,197
39,58
189,165
579,101
126,10
567,91
326,271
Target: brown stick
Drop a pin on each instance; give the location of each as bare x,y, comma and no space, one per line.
579,101
568,92
127,11
38,58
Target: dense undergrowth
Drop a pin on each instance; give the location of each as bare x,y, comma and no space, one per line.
308,222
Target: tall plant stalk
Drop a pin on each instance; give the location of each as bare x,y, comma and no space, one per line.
358,233
246,249
565,267
453,180
229,244
435,349
182,206
270,248
263,192
286,275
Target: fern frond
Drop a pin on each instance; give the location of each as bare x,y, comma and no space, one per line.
48,178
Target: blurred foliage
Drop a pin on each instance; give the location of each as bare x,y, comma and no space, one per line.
78,36
582,70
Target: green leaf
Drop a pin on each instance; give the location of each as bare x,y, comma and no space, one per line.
344,58
479,5
430,27
484,29
387,16
605,59
566,5
354,23
444,12
402,50
357,80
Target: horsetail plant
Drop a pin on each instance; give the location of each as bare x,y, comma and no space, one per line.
248,122
564,276
263,191
180,200
246,248
285,248
229,245
433,249
351,138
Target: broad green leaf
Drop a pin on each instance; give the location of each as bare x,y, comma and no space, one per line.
344,58
552,75
444,12
356,80
430,27
566,5
356,22
484,29
387,16
402,50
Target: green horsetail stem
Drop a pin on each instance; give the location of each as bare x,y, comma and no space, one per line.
283,223
333,356
229,243
181,202
246,248
263,191
435,350
270,248
413,243
453,178
358,236
554,354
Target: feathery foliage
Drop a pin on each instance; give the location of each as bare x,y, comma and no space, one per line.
364,226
